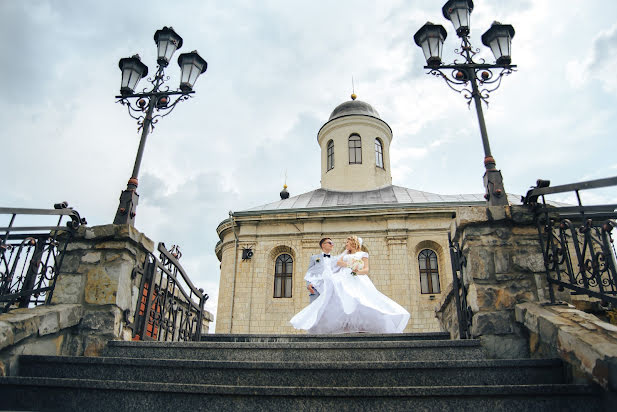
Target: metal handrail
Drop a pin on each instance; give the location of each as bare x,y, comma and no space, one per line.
31,256
576,241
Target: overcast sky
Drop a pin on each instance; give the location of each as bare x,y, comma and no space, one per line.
276,70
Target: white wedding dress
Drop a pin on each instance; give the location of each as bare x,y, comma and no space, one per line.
349,303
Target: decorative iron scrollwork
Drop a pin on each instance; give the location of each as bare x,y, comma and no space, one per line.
463,310
170,308
577,244
31,257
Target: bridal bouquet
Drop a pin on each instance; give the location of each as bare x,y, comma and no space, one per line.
355,265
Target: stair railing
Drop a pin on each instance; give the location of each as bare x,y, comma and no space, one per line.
170,307
31,255
577,243
464,313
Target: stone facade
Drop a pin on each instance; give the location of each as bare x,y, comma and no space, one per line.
393,237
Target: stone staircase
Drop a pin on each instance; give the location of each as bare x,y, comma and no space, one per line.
406,372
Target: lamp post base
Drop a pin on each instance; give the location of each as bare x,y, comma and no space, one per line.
127,208
495,192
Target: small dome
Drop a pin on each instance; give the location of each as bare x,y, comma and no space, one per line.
354,107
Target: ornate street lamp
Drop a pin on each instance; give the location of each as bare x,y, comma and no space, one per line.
141,106
474,80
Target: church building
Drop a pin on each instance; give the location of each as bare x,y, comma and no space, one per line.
265,251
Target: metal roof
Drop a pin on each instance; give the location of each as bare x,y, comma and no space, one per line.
353,107
385,196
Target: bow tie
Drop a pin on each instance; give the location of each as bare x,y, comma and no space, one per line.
324,255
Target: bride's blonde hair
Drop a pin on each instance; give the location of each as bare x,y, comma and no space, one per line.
355,243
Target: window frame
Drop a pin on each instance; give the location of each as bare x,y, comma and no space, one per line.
379,153
284,278
428,272
330,156
355,149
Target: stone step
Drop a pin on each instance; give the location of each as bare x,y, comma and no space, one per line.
302,374
53,394
344,337
300,351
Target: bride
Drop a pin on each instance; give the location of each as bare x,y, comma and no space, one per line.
348,300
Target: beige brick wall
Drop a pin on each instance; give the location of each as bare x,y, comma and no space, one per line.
392,237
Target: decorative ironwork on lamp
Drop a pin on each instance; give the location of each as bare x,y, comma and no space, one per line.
142,105
474,80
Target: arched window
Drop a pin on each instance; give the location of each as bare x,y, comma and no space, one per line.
378,153
429,272
330,152
283,270
355,149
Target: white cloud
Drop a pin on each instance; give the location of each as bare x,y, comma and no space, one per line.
599,61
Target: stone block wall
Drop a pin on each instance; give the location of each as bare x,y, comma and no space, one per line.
586,343
48,330
504,267
97,273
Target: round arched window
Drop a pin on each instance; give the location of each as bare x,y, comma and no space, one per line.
429,272
283,271
378,153
355,149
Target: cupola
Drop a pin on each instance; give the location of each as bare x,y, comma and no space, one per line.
355,148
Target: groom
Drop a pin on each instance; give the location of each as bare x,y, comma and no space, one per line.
318,263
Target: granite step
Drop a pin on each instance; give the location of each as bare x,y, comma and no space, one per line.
53,394
300,351
300,374
345,337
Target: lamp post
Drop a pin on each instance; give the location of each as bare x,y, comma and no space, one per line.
474,80
142,106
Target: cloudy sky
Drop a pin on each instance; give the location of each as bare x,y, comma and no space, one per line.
276,71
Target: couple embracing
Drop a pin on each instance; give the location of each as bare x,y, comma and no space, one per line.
343,298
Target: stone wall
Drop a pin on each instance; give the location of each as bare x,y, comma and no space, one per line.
588,344
504,267
48,330
97,273
446,313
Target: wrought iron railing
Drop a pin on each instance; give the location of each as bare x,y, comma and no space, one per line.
170,307
31,256
464,313
577,243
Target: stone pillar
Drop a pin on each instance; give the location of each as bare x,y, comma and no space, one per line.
98,273
504,267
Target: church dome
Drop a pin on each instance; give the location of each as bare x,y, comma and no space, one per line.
354,107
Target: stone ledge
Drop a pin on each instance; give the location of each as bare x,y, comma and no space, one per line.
581,339
115,232
20,324
470,216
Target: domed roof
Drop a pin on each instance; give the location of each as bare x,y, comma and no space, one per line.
353,107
